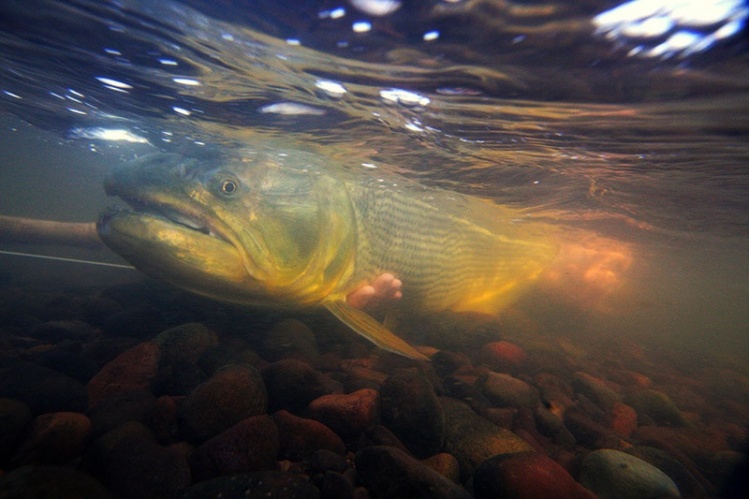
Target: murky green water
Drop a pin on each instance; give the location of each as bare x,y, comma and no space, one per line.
639,158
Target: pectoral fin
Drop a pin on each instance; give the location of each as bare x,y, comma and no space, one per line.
375,332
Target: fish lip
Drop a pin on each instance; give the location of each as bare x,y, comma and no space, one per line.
173,213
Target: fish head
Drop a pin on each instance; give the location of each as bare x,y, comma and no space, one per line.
250,230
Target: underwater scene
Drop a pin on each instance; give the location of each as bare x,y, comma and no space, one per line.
356,249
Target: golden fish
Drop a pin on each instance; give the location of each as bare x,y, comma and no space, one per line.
277,229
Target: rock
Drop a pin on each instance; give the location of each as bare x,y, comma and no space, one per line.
596,390
136,467
621,419
626,377
292,384
131,371
657,406
105,350
446,362
229,396
548,422
185,343
323,460
391,473
43,390
58,331
616,475
291,339
687,483
250,445
410,408
50,482
693,444
504,390
118,409
55,438
381,435
525,476
335,486
70,363
219,357
15,416
347,414
178,378
258,485
472,439
164,419
588,431
502,355
300,437
445,464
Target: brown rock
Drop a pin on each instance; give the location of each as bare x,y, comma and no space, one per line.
391,473
589,432
256,485
526,476
658,407
506,391
472,439
137,467
292,339
133,370
292,384
596,390
622,419
445,464
232,394
300,438
55,438
50,482
14,418
411,410
250,445
185,343
347,414
503,355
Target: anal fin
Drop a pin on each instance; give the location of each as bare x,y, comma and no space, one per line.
363,324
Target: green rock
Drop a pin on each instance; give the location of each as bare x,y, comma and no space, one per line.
658,407
613,474
472,439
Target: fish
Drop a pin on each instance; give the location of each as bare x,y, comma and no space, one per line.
282,228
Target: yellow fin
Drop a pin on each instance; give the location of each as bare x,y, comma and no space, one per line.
375,332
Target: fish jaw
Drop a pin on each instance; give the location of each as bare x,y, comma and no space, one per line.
187,257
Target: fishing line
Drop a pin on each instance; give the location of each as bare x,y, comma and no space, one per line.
63,259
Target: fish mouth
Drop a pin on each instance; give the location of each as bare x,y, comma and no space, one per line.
177,215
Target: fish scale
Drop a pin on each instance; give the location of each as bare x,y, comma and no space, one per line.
446,262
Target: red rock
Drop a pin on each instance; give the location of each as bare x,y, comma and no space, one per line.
526,476
347,414
55,438
135,466
300,437
131,371
250,445
164,418
232,394
622,419
503,355
292,385
629,378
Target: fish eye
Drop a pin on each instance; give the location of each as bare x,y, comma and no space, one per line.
228,186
